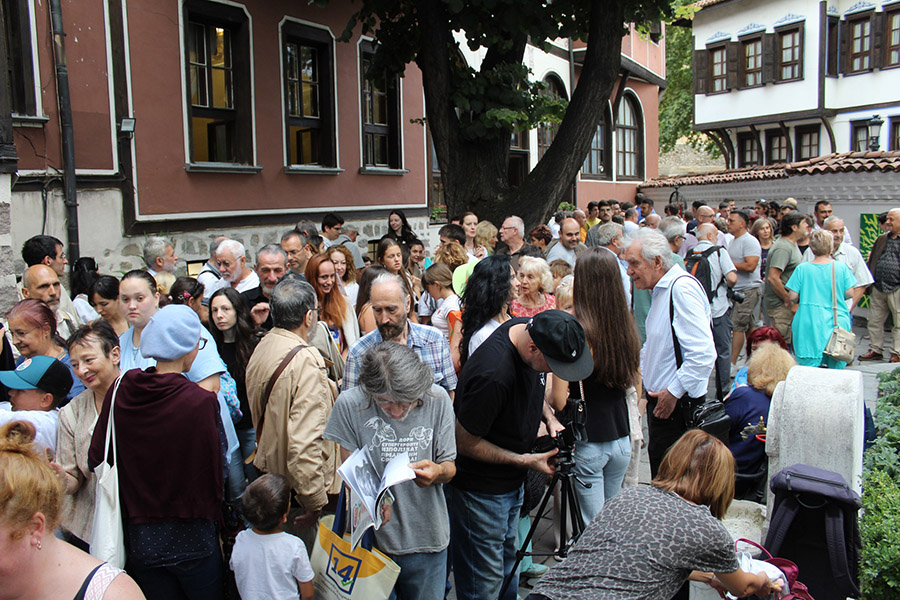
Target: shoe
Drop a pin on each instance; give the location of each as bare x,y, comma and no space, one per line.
535,570
872,355
895,358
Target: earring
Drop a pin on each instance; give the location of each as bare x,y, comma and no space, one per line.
38,545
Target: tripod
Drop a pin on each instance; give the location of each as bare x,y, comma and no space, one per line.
569,511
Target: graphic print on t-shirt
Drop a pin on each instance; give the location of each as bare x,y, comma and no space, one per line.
389,445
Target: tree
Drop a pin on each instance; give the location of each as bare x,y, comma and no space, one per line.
471,113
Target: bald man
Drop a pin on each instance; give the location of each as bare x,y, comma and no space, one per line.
42,283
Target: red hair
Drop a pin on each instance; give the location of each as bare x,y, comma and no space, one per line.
34,312
764,334
332,305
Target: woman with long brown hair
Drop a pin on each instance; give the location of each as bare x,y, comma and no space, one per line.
334,308
609,329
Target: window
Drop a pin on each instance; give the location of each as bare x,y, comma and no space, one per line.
790,55
380,114
894,140
860,44
718,72
308,95
596,163
218,72
751,62
832,47
807,142
518,158
17,39
547,131
859,136
892,35
747,148
629,140
776,147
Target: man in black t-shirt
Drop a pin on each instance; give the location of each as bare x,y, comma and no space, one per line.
499,403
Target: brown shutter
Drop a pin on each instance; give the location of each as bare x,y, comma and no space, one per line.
701,72
732,51
844,55
770,55
877,55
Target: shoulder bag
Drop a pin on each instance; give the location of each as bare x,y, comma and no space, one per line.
268,391
108,533
842,343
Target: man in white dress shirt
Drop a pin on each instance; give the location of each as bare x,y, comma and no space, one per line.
849,255
673,384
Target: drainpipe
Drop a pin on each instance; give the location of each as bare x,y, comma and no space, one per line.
65,121
572,91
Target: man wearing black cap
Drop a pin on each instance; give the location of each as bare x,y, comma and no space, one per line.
499,404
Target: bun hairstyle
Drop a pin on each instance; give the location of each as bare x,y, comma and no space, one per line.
28,484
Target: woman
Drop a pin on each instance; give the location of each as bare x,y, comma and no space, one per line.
333,307
34,563
84,274
417,262
754,339
535,285
94,349
169,462
602,458
486,235
469,223
104,297
820,285
489,291
189,291
32,327
540,237
750,403
399,229
365,318
438,282
390,256
620,553
345,271
764,231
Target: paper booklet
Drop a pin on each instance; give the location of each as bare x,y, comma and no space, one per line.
370,489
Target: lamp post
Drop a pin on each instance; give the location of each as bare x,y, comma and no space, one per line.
874,126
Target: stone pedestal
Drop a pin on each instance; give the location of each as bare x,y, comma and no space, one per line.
8,295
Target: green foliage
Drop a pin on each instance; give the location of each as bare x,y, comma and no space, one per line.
565,207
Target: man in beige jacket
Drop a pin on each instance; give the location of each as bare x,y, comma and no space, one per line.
289,424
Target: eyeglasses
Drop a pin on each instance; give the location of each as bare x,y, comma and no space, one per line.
502,228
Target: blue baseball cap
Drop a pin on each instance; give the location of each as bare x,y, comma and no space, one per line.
43,373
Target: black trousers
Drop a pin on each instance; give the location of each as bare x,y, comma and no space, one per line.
665,432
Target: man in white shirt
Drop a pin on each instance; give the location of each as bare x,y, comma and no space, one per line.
823,212
745,253
610,237
36,388
231,260
850,256
673,384
569,239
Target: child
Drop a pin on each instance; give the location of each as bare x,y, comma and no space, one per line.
36,388
268,563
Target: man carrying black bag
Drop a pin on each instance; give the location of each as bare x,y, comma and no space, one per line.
675,384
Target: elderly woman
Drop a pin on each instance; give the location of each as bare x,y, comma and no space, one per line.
820,286
756,338
619,555
535,285
170,462
395,402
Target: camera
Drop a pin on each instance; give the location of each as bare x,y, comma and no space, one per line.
572,418
735,296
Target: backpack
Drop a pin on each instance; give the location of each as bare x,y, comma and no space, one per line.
814,524
697,264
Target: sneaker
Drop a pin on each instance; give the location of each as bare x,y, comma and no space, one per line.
535,570
871,355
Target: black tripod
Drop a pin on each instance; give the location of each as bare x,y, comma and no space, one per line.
570,512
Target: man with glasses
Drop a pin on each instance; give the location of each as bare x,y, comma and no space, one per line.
298,249
231,260
512,233
704,214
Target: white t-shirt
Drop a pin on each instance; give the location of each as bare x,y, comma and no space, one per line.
268,567
46,423
482,334
248,283
441,317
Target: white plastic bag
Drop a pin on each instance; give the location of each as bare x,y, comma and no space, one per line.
107,534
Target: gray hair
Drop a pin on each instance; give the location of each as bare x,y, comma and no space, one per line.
155,247
273,249
607,232
235,247
294,233
821,242
519,224
350,228
390,278
290,301
672,227
653,245
214,244
395,371
831,220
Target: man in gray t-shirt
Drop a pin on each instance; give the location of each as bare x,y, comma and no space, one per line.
745,253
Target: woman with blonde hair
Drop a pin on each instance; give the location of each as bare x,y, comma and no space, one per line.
486,235
620,555
535,285
452,255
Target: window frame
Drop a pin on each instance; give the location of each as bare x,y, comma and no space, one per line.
894,134
832,46
799,132
865,19
856,126
771,135
546,132
621,130
780,35
392,129
743,71
713,49
24,100
588,168
890,13
750,138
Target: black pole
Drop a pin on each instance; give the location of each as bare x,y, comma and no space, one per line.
67,130
8,158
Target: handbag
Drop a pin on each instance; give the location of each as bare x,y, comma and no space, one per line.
343,573
798,591
107,533
842,343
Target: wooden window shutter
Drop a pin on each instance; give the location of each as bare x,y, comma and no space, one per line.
732,52
844,56
701,71
877,52
770,55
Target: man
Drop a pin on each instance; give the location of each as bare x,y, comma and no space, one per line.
722,275
498,411
783,258
651,221
347,239
745,253
725,209
390,307
704,214
610,237
36,387
884,263
672,210
298,250
674,230
823,211
512,233
579,216
631,220
787,206
605,211
673,383
209,275
231,260
567,248
645,204
593,216
848,255
47,250
290,421
159,254
761,210
331,228
692,224
271,265
42,283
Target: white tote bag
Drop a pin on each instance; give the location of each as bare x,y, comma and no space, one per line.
108,535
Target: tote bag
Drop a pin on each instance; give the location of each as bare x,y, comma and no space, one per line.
107,534
342,573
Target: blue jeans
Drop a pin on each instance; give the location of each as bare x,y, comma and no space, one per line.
602,464
198,579
483,533
422,575
247,439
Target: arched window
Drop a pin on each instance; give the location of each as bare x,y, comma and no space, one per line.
629,140
599,157
547,131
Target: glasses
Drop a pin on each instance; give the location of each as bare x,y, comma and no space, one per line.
502,228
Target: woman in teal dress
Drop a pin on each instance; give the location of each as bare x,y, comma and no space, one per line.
814,320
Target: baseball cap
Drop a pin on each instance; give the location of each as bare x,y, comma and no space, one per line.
560,338
790,202
43,373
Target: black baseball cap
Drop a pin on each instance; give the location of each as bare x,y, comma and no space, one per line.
39,373
560,338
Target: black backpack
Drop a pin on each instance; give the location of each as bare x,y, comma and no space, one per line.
814,523
697,264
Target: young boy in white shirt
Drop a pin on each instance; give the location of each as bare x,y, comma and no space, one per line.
36,388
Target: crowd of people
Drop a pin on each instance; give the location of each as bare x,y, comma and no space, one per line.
237,394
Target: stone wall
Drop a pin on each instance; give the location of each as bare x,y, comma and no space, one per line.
7,274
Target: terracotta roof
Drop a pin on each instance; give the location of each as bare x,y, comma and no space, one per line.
704,3
847,162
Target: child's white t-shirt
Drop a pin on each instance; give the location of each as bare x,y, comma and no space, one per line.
441,317
267,567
